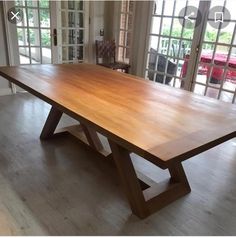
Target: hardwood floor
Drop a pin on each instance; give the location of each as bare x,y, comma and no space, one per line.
59,187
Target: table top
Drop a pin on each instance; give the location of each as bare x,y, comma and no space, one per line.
161,123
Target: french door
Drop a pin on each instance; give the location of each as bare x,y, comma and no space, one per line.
70,27
127,11
216,65
170,40
189,47
49,32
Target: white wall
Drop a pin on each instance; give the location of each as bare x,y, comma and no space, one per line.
96,13
4,84
140,37
140,31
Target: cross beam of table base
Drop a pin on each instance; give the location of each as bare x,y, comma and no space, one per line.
81,131
144,197
145,202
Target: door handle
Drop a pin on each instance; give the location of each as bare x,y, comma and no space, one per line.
54,35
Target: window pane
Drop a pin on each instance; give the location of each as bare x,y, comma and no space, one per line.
199,89
33,17
68,53
44,18
19,2
80,22
156,22
131,6
44,3
164,42
64,53
128,39
168,8
80,37
80,5
35,55
45,37
122,21
124,6
166,25
226,34
80,53
46,56
64,37
177,28
24,55
226,96
210,34
207,48
34,37
154,41
122,38
185,48
180,4
72,36
174,47
71,5
22,36
32,3
223,49
71,19
64,19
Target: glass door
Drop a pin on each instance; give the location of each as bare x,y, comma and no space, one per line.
192,45
34,32
170,40
216,67
125,30
48,31
72,31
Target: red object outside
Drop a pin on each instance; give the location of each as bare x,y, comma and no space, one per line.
217,73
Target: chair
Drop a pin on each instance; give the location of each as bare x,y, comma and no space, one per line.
161,64
106,56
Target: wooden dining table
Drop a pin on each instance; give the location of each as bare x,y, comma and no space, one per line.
163,125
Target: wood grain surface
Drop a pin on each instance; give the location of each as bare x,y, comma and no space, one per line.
163,124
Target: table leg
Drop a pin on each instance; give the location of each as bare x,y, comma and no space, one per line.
51,123
129,180
92,137
144,202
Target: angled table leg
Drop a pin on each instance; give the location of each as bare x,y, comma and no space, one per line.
92,137
145,202
129,180
51,123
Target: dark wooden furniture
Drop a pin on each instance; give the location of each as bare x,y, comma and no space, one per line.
106,56
158,62
164,125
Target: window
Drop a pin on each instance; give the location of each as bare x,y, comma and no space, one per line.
186,52
33,33
125,31
71,31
